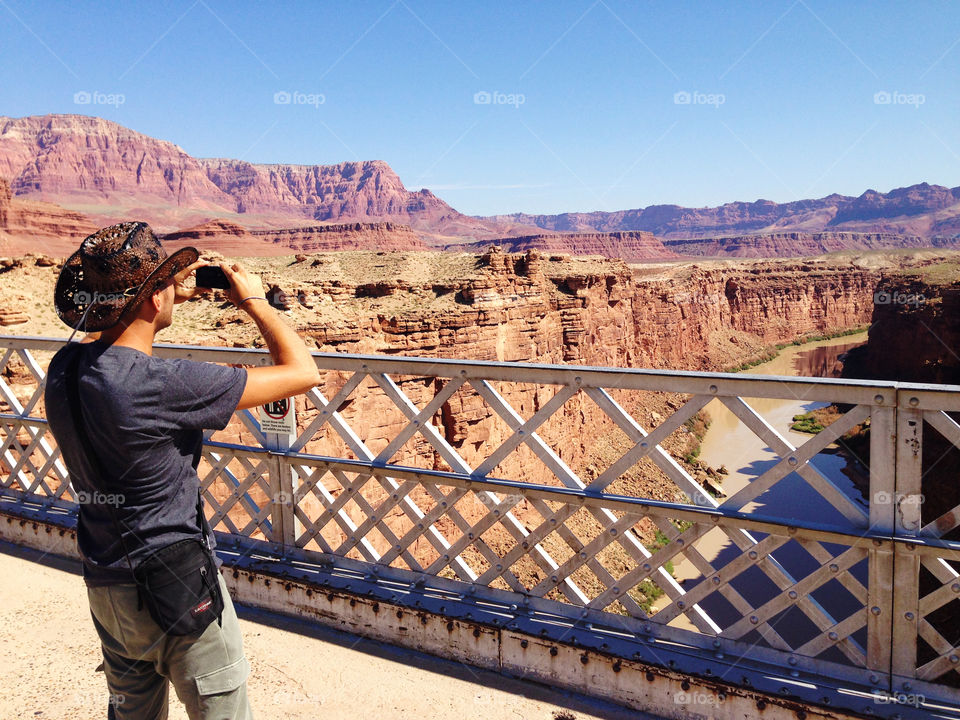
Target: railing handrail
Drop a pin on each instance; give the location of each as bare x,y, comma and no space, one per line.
491,369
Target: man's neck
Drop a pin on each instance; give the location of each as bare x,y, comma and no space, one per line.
138,335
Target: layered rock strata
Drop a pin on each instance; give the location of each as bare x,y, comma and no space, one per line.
231,239
629,246
800,244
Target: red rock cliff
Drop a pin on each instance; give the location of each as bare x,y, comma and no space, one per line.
232,239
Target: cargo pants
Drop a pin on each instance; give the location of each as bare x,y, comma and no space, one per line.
209,672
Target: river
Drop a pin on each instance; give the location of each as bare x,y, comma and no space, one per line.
731,444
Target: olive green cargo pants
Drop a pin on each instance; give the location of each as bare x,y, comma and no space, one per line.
209,671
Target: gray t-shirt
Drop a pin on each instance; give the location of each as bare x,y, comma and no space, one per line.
146,416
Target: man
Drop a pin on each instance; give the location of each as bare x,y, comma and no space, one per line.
145,417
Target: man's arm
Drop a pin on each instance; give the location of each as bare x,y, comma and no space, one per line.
294,370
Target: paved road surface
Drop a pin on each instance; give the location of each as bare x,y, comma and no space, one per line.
49,650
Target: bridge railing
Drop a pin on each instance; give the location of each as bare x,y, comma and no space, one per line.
550,499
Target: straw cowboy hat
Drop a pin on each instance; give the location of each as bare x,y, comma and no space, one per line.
114,270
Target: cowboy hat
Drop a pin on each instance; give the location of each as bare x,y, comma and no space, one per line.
114,270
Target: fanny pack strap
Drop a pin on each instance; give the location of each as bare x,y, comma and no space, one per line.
73,400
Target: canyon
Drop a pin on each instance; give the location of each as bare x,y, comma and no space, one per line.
519,307
635,246
232,239
533,306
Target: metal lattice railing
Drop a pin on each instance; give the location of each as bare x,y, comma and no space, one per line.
473,477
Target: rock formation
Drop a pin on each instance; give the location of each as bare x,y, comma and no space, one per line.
231,239
914,337
88,162
630,246
27,225
5,198
321,192
914,331
800,244
84,161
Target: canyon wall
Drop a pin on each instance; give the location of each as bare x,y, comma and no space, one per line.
29,226
554,309
915,337
800,244
5,198
231,239
632,246
914,332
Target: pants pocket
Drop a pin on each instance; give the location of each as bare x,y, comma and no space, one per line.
225,679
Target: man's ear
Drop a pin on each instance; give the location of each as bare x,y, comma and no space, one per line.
157,300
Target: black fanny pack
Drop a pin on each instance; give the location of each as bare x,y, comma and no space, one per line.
178,583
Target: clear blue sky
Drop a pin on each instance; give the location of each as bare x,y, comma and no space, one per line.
782,94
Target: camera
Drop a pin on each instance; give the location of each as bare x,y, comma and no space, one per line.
212,276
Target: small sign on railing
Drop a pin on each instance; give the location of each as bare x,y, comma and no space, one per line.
279,417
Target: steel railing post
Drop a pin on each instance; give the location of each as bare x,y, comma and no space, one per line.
880,585
282,486
907,523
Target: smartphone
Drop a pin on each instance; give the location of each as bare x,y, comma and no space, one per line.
212,276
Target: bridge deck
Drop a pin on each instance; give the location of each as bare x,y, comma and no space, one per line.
49,666
533,518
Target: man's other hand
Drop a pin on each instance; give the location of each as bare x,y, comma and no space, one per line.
243,284
183,292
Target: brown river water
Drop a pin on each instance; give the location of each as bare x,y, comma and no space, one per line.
730,443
